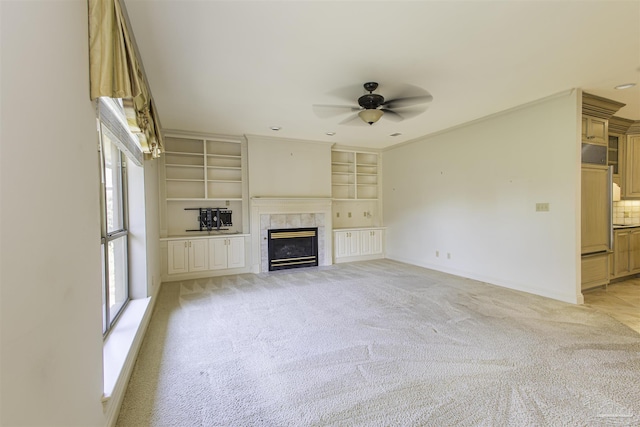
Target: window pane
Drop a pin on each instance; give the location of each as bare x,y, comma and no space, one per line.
118,290
105,326
113,186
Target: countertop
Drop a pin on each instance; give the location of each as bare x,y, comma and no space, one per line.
619,226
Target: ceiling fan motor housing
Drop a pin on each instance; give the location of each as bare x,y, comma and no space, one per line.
371,101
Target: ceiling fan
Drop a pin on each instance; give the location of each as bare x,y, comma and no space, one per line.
372,106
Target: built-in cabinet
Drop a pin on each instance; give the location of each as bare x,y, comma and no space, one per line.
205,254
202,171
226,253
186,256
358,244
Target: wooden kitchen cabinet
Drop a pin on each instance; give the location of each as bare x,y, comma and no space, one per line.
595,212
594,270
626,252
631,187
594,130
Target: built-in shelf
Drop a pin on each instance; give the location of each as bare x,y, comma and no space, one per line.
354,175
202,169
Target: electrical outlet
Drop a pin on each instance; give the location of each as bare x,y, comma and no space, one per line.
337,214
627,214
349,214
437,254
448,255
365,214
227,203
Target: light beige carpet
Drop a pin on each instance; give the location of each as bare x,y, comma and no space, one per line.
377,343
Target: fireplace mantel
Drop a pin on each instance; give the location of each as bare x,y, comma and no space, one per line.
289,212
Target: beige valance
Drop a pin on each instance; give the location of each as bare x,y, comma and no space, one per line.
116,71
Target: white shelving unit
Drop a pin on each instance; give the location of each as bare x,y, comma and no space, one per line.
202,169
354,175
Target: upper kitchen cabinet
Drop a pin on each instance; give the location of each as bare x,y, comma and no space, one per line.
631,172
618,127
594,130
596,112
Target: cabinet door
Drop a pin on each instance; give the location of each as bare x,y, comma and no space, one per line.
198,255
594,130
178,260
365,242
632,167
634,251
217,254
346,243
235,252
595,224
621,253
376,241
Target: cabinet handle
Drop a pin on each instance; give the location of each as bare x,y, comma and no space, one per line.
189,244
185,244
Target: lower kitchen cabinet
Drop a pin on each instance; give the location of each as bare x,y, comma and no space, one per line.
595,270
187,256
626,252
358,244
227,252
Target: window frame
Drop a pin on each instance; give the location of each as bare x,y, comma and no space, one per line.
108,318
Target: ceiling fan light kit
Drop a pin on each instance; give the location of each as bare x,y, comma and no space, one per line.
370,116
372,106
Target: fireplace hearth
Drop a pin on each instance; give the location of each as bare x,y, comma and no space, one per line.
292,248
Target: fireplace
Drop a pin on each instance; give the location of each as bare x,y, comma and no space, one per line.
289,214
292,248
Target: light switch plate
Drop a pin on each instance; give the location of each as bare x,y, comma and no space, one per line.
542,207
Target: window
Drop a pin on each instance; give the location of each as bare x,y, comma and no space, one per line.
115,283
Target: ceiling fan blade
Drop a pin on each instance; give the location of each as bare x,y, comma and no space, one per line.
348,93
408,101
392,115
325,111
408,112
351,120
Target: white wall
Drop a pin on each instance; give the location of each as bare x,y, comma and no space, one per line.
472,191
152,212
51,350
288,168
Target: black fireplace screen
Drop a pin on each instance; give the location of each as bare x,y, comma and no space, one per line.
293,248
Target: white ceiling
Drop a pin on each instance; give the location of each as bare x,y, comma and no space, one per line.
240,67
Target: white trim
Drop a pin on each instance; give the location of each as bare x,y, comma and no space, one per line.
120,351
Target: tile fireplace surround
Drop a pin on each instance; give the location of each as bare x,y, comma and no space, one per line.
278,213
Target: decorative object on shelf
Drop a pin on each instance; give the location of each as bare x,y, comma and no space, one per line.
212,218
372,106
